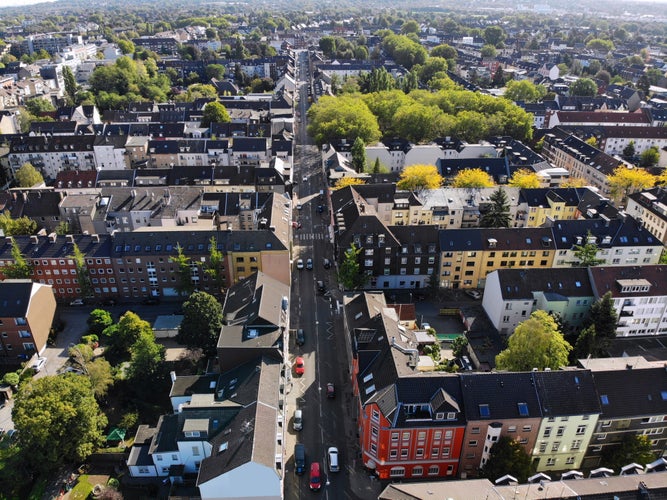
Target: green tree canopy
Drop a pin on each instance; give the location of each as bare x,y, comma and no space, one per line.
359,155
101,376
494,35
586,253
146,362
28,176
507,456
349,273
600,45
20,268
202,321
17,227
524,90
633,448
216,71
344,117
488,51
37,106
649,157
498,214
445,51
98,320
604,317
404,50
536,343
584,87
58,420
214,112
122,336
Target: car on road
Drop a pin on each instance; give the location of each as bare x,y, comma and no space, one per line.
299,366
38,364
305,178
298,420
473,293
331,390
77,302
300,337
299,458
299,206
150,301
332,459
326,263
315,479
320,209
299,264
309,264
109,302
321,287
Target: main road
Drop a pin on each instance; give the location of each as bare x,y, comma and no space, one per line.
327,421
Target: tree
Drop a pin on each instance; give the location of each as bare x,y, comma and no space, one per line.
100,375
584,87
58,420
23,226
410,26
498,214
494,35
214,112
20,268
216,265
460,346
419,177
328,45
216,71
349,273
536,343
488,51
586,343
38,106
343,117
472,178
649,157
11,378
146,360
525,179
28,176
507,456
629,151
445,51
202,321
359,155
348,181
122,336
592,141
605,318
432,67
634,448
70,84
126,46
82,273
98,320
600,45
586,253
184,285
625,181
574,182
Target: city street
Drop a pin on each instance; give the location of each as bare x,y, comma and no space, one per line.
326,421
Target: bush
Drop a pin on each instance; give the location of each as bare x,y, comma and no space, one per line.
129,420
90,340
11,378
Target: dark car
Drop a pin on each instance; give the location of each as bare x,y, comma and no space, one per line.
109,302
331,390
150,301
321,288
309,264
326,263
300,337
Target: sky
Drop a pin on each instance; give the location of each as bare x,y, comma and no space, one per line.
15,3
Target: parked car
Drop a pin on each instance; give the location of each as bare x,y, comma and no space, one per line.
77,302
300,337
305,178
109,302
38,364
299,264
298,420
321,288
473,293
315,479
299,366
150,301
299,458
299,206
309,264
332,458
326,263
331,390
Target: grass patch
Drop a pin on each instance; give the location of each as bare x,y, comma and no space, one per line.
82,489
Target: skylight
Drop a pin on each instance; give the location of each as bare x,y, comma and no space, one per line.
604,399
484,410
523,409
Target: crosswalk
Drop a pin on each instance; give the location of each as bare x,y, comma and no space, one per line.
310,236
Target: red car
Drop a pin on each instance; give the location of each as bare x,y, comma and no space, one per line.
331,390
315,480
299,367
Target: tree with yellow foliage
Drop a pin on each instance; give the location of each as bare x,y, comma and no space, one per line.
574,182
525,179
473,178
662,178
625,181
348,181
418,177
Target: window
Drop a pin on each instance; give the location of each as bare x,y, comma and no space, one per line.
581,430
404,453
569,461
543,447
393,454
555,446
420,452
435,452
433,470
475,430
397,472
576,444
551,462
560,431
472,443
418,471
394,437
547,432
511,428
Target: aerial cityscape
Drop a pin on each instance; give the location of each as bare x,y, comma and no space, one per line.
352,250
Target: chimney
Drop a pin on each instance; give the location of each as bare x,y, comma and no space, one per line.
172,375
95,238
34,239
69,238
52,237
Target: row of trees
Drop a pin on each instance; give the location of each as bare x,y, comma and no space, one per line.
419,117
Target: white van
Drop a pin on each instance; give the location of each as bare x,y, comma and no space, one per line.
298,420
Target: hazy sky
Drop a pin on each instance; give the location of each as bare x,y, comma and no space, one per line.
14,3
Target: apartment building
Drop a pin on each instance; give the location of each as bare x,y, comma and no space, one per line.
649,208
639,294
27,310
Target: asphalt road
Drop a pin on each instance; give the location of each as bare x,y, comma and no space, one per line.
327,422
